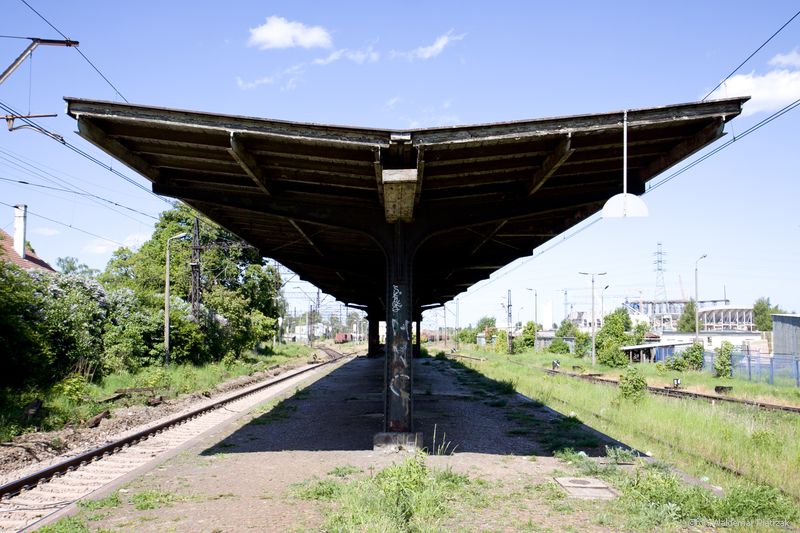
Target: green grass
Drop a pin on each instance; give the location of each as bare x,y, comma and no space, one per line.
344,471
152,499
407,496
652,497
60,409
763,447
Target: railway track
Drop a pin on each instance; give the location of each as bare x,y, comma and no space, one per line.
677,393
29,500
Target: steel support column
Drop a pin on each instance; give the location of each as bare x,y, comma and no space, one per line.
398,411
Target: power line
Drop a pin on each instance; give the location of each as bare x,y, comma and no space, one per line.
88,195
751,55
80,152
67,225
78,49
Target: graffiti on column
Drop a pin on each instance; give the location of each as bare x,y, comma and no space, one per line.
400,383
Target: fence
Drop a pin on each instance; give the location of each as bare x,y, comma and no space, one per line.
783,370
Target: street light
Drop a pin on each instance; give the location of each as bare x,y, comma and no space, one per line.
166,299
697,303
603,305
535,306
593,274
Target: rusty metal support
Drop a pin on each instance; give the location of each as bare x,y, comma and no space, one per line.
398,408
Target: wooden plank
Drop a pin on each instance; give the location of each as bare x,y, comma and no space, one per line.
89,131
249,164
682,150
306,237
551,164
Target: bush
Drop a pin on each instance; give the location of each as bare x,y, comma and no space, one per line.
632,385
611,355
722,362
558,345
676,363
694,356
501,342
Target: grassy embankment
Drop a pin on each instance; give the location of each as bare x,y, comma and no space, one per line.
75,401
762,447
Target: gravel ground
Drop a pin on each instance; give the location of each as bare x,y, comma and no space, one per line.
33,451
241,479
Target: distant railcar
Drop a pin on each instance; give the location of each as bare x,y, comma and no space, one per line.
342,338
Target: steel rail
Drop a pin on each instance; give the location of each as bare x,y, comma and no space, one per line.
676,393
13,488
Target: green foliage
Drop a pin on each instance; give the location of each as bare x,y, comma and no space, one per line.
722,361
762,314
686,321
632,385
501,342
583,344
558,345
152,499
694,356
528,338
468,335
614,334
566,329
487,322
70,265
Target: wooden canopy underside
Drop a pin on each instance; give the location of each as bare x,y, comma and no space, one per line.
322,199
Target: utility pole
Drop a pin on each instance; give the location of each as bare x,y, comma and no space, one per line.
309,334
510,318
195,295
566,305
697,303
593,274
457,324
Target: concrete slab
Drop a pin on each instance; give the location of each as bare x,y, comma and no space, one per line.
587,488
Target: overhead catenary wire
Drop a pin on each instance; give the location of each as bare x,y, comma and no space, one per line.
67,225
88,195
734,71
78,50
61,140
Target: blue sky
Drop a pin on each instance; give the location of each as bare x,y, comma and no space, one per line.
420,64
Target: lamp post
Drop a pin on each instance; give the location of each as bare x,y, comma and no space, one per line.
535,306
697,302
166,299
603,305
593,274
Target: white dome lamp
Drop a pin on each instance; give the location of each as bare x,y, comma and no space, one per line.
624,205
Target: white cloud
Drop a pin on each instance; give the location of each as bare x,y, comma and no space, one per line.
792,59
433,50
356,56
391,103
246,85
46,232
278,32
769,92
103,246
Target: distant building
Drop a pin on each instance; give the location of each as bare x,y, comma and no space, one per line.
16,249
786,334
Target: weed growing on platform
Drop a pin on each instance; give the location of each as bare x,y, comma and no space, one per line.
653,496
407,496
152,499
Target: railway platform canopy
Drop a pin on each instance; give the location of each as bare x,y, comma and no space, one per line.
398,221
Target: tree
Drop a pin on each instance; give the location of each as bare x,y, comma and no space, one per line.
567,329
686,322
529,335
487,322
612,336
762,314
70,265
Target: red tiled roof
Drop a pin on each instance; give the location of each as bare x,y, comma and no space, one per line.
31,262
